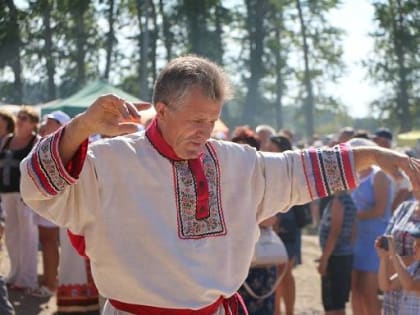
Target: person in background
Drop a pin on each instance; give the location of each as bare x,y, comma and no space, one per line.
264,132
404,219
76,292
406,278
345,134
7,123
289,134
21,231
171,201
362,134
336,237
48,231
383,137
373,200
6,308
7,126
260,279
287,231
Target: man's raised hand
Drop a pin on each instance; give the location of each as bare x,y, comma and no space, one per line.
112,116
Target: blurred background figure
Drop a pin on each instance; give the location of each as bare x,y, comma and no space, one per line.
48,231
402,186
7,123
264,132
259,279
21,231
373,199
287,230
76,292
406,278
336,237
404,219
345,134
383,137
7,126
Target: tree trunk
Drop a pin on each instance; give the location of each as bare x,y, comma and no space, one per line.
144,39
110,39
309,105
15,47
219,34
79,14
256,12
168,37
402,89
153,46
279,82
49,64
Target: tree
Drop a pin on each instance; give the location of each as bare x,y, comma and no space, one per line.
395,63
308,104
10,46
202,24
321,55
79,44
256,15
110,38
39,38
277,44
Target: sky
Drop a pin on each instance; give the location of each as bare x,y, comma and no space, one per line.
355,17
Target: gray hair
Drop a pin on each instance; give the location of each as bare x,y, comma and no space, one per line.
361,142
267,128
182,74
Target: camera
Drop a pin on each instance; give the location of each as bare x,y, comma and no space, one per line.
383,243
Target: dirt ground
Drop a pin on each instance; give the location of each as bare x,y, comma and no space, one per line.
308,299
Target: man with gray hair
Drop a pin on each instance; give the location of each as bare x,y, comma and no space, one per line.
169,216
264,132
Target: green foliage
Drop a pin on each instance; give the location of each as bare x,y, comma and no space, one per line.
395,64
259,42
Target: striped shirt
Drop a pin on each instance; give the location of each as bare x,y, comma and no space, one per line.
343,245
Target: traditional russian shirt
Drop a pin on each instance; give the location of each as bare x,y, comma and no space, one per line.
171,233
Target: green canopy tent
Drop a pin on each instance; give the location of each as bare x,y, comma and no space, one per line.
78,102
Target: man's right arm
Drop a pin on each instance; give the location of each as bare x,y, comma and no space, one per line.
74,134
50,182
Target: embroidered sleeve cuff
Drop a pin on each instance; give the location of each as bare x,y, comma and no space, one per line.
46,168
329,170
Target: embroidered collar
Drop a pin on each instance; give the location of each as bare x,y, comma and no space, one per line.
196,166
160,144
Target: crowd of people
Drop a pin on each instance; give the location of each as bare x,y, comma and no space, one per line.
171,201
25,231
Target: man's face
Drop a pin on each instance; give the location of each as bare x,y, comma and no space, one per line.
344,137
264,136
49,126
271,147
187,128
382,142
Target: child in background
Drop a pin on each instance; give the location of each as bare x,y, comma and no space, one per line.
405,278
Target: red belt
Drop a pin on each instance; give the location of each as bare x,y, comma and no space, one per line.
231,306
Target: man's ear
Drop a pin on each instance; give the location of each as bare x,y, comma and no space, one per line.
161,109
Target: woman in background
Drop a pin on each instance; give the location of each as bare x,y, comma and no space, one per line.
260,279
287,230
21,231
404,219
373,199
